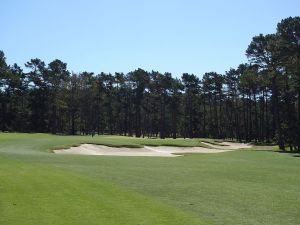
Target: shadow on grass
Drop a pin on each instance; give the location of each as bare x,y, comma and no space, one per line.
294,154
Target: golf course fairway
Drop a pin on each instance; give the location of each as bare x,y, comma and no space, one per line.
249,186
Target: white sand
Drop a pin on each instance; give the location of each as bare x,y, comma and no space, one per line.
161,151
229,145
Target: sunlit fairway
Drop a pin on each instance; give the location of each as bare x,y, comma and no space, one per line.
239,187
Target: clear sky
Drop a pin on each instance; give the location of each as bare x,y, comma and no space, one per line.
174,36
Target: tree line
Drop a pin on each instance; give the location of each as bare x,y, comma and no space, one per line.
257,101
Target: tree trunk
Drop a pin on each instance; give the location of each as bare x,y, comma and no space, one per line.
278,128
256,118
204,117
267,123
298,133
162,117
250,117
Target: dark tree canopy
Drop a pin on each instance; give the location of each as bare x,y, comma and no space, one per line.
257,101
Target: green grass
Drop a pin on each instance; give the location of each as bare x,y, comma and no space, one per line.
35,194
240,187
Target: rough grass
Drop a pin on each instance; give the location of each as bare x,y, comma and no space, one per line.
240,187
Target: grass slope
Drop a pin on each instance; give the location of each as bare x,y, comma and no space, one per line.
241,187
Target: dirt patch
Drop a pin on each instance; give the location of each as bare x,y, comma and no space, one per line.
161,151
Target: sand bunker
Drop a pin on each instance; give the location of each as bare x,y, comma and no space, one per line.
161,151
228,145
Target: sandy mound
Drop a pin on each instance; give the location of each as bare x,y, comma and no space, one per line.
161,151
229,145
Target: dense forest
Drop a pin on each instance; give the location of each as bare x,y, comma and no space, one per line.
257,101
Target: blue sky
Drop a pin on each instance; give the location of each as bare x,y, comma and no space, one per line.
174,36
